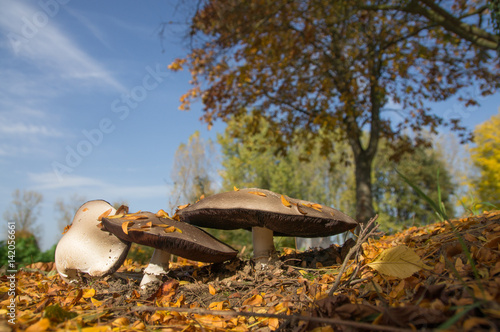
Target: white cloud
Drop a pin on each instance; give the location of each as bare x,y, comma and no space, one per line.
28,129
90,187
49,48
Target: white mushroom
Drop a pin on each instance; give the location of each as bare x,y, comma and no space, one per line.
88,249
158,266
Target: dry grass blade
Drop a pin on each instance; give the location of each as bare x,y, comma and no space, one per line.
366,231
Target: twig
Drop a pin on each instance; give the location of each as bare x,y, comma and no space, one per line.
364,234
201,311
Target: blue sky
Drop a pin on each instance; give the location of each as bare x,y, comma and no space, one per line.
88,107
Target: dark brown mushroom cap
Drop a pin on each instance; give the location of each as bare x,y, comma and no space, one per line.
173,236
253,207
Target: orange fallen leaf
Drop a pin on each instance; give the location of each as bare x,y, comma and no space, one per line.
285,202
235,189
254,300
126,225
162,214
211,290
258,193
180,207
66,229
104,214
40,326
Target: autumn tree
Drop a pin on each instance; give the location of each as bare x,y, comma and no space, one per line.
24,211
323,65
66,209
486,158
194,170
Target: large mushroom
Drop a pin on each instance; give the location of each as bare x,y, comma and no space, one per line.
86,248
168,237
266,213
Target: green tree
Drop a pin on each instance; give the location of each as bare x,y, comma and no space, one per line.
486,158
322,65
397,204
194,170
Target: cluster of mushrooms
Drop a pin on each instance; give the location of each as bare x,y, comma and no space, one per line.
99,237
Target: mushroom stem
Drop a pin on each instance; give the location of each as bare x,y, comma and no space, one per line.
158,266
263,245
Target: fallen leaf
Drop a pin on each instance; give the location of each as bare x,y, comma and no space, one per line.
42,325
211,290
162,214
258,193
400,262
180,207
300,209
126,225
254,300
88,293
285,202
104,214
235,189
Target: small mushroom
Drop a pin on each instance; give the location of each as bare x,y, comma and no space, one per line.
88,249
266,213
168,237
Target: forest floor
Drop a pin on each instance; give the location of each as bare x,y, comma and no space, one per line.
445,288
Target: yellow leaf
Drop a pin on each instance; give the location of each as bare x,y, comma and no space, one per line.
400,262
88,293
235,189
211,290
95,302
42,325
104,215
258,193
180,207
162,214
116,216
96,329
171,229
285,202
126,225
254,300
122,321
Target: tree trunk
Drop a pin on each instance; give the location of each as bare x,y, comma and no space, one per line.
364,197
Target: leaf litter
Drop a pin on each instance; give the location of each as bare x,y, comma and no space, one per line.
443,291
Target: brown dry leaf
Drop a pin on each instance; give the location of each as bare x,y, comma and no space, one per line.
104,214
285,202
300,209
258,193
